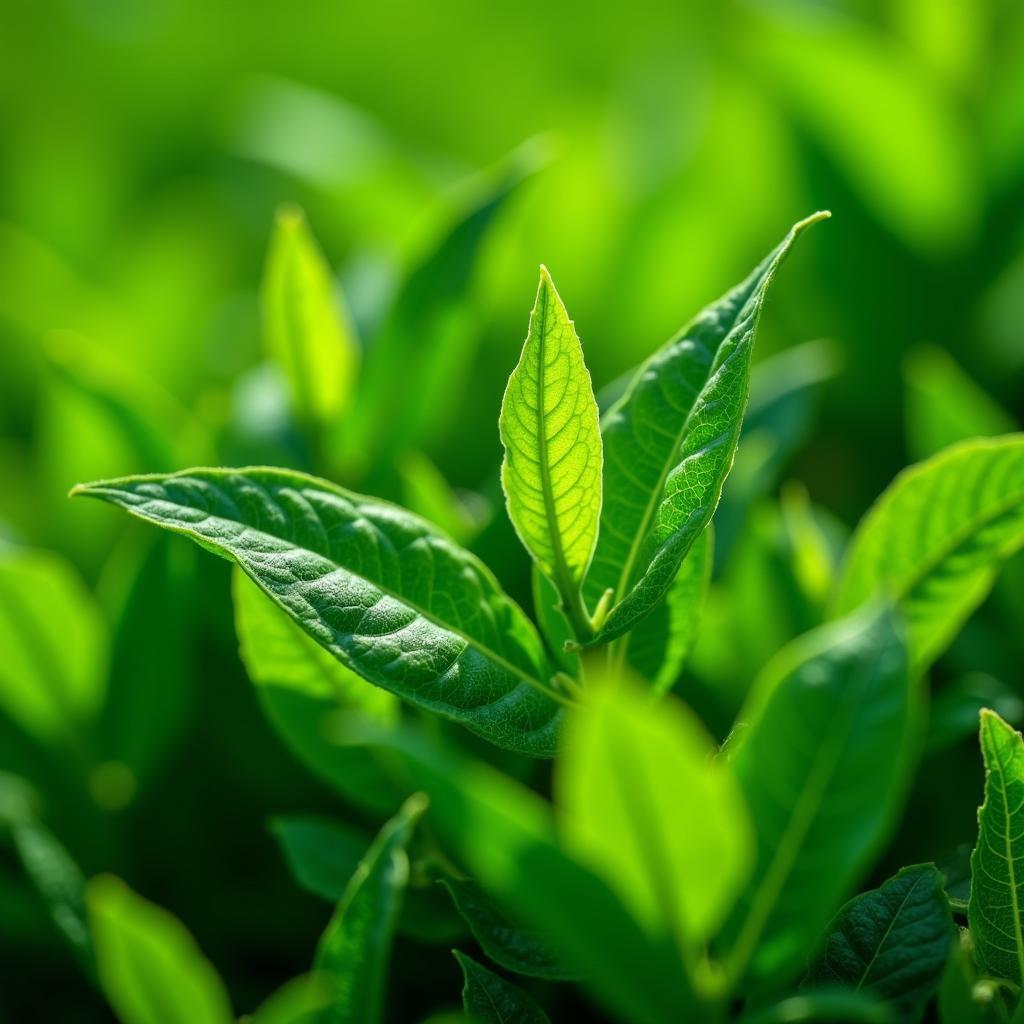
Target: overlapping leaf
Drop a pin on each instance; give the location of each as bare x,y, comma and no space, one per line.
669,443
491,999
934,540
394,600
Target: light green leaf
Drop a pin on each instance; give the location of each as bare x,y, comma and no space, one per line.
426,492
54,643
934,540
829,731
943,405
322,854
624,763
551,473
657,647
295,1002
491,999
893,941
509,944
150,968
302,686
669,443
994,911
392,599
307,329
354,951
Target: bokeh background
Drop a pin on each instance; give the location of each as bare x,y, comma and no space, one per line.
649,155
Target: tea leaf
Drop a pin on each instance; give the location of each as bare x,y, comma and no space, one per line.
509,944
301,686
493,1000
378,587
150,968
624,763
934,540
308,332
551,473
894,941
822,761
658,645
669,444
354,951
997,864
54,643
322,854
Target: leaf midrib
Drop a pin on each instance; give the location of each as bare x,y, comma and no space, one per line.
484,649
885,935
1014,901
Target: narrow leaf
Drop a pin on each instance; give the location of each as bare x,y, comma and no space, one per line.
354,951
994,910
551,472
934,540
625,761
823,761
392,599
149,966
669,444
893,941
307,330
491,999
509,944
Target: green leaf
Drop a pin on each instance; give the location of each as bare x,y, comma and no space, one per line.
392,599
829,732
509,944
295,1002
426,492
491,999
624,763
551,473
504,835
953,715
934,540
554,626
943,405
963,997
322,854
302,687
54,643
669,443
354,951
150,968
820,1007
893,941
658,645
307,329
997,864
60,883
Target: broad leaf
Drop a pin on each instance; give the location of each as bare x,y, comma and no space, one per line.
678,865
322,854
657,647
354,951
893,941
935,539
392,599
307,331
491,999
302,685
823,761
149,966
997,864
54,643
551,472
509,944
669,443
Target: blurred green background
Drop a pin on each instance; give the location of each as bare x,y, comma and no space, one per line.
662,149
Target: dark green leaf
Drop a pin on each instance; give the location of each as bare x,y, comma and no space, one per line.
669,444
392,599
893,941
953,715
509,944
354,951
492,1000
322,854
830,730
